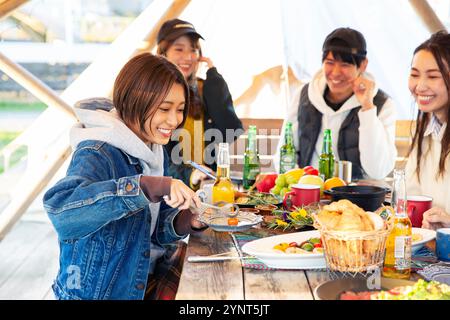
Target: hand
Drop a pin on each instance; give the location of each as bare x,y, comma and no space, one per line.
363,89
181,196
195,223
208,61
435,218
197,176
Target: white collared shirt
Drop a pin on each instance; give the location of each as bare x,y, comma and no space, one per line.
434,127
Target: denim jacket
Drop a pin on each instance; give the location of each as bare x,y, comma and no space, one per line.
102,219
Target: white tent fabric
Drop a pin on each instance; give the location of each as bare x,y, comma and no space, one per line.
245,38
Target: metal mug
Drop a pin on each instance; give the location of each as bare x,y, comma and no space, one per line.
343,170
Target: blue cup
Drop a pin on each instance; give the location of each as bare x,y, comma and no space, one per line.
443,244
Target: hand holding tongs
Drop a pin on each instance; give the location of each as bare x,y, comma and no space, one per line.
221,207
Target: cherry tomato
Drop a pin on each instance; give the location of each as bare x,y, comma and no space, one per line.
317,245
233,221
293,244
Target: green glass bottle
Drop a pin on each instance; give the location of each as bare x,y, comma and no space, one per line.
326,159
252,166
287,150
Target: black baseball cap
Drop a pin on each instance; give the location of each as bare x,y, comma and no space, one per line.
346,40
175,28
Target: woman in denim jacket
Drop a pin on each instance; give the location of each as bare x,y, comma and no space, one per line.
112,223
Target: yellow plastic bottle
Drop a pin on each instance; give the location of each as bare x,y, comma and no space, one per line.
397,260
223,189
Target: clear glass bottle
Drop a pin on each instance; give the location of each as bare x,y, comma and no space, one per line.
397,260
287,150
326,159
252,166
223,189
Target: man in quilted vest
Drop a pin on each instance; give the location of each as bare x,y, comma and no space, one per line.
343,97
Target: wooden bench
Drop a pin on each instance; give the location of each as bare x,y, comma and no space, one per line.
269,132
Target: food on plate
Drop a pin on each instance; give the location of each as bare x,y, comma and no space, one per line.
416,237
266,209
312,245
421,290
255,198
232,221
242,200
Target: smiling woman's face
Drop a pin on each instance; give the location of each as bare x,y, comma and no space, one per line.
427,85
184,55
168,116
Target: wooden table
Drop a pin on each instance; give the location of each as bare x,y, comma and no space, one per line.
228,280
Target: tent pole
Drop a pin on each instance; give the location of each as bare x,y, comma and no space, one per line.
172,12
36,180
31,189
7,6
427,14
33,85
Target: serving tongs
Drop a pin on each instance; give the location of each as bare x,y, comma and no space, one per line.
220,208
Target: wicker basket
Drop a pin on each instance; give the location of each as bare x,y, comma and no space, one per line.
353,251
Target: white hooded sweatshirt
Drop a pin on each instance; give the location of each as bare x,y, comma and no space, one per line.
96,123
376,133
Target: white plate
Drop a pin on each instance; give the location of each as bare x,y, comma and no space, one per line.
220,222
427,235
263,250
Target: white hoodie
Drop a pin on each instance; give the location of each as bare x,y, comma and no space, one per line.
376,133
96,123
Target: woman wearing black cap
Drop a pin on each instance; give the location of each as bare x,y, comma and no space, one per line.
343,97
211,105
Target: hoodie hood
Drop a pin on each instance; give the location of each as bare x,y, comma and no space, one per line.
316,90
99,121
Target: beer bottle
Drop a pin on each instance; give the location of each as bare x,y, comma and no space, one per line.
252,166
397,260
223,189
287,150
326,159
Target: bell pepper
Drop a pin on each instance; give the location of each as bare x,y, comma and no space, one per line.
265,182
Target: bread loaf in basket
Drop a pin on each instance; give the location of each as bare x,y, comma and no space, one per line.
354,240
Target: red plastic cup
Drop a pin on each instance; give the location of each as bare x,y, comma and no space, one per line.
416,206
301,195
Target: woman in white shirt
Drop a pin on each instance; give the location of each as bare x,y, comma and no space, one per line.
428,166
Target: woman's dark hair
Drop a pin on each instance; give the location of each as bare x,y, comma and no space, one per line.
143,84
195,102
439,46
346,57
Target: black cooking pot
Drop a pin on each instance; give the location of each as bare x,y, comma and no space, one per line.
370,198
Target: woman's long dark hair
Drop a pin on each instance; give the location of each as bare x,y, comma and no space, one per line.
195,97
439,46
